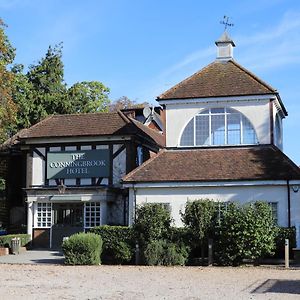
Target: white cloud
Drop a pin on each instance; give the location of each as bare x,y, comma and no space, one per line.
275,47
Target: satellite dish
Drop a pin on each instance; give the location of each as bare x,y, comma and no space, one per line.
147,112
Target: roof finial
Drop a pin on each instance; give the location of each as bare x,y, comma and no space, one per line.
226,23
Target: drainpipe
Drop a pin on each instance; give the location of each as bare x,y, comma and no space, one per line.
289,202
134,195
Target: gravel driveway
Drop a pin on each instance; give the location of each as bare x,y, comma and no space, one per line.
130,282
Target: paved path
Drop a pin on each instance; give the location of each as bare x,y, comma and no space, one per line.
34,257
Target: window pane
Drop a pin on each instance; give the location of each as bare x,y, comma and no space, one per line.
217,110
206,111
233,129
249,135
202,130
187,138
218,130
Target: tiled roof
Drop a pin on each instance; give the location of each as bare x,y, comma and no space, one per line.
91,124
216,164
219,79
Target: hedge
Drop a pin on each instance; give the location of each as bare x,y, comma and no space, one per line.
118,243
5,240
82,249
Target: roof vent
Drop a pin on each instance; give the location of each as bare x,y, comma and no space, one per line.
225,47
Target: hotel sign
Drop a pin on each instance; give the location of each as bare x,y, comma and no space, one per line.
78,164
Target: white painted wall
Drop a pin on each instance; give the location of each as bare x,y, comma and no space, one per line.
178,115
278,140
38,168
177,197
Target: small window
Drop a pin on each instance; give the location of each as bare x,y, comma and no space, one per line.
92,214
166,206
274,208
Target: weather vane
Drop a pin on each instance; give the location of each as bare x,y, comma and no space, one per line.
226,22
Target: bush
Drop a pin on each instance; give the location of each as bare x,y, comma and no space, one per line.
283,233
153,222
162,252
118,243
82,249
199,217
246,232
5,240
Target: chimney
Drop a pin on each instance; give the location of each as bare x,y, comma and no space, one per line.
225,47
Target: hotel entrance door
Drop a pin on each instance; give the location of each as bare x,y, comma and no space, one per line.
67,220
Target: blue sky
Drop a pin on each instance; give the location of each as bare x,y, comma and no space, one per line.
140,48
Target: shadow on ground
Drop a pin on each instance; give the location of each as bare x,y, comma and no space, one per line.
278,286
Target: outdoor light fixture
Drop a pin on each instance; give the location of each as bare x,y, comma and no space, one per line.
61,188
295,188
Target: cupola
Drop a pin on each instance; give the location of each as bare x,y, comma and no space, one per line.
225,47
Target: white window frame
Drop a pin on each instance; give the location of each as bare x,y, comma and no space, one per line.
39,221
274,208
209,113
92,214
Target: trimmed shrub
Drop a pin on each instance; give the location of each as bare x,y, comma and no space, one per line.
82,249
5,240
153,222
164,253
118,243
245,232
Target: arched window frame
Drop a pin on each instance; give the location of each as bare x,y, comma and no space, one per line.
212,113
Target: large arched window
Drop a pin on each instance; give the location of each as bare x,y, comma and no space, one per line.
218,126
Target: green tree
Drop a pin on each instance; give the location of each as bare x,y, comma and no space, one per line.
22,92
49,89
7,106
86,97
152,222
198,217
245,232
124,103
42,91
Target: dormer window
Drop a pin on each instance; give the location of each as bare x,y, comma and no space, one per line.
217,127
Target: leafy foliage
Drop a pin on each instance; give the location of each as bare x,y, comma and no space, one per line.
162,252
245,232
49,89
8,108
283,233
117,243
82,249
153,222
42,91
86,97
198,218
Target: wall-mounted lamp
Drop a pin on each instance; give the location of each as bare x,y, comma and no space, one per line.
61,188
295,188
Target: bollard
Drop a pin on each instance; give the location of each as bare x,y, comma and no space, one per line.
137,254
287,254
210,252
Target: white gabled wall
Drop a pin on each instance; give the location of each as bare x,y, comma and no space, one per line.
178,197
178,115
